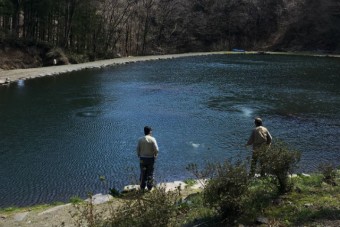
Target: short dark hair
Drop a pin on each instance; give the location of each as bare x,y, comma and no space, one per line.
258,121
147,130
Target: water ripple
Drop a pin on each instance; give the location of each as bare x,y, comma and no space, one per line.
58,135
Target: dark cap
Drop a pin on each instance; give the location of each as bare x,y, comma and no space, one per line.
258,121
147,130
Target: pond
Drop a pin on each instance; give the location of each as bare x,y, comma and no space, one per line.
59,134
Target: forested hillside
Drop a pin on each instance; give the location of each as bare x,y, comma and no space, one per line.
109,28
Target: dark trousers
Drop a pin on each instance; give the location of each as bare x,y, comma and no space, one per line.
146,172
257,157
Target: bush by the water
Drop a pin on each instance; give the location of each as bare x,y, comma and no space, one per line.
155,208
329,172
280,160
227,190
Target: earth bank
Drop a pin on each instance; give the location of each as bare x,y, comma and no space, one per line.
68,214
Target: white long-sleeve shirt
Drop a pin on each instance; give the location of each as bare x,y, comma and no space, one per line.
147,147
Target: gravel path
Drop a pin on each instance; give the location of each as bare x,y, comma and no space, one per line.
18,74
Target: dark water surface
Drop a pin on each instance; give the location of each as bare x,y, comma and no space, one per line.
59,134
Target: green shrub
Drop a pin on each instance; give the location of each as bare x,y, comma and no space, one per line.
280,160
76,200
190,182
58,55
155,208
85,214
329,173
227,190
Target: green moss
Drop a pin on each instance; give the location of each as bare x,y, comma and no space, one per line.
190,182
11,210
76,200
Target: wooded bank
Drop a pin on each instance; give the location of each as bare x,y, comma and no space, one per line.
111,28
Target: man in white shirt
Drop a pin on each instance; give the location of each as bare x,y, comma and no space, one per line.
147,151
261,139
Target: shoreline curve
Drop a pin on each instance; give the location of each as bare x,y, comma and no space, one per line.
14,75
7,76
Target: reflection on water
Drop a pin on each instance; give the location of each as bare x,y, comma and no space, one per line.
88,114
59,134
247,111
21,83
